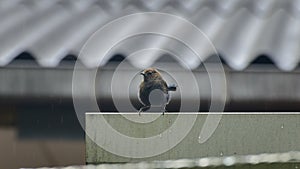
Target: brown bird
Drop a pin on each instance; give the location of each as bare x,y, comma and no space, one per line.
154,90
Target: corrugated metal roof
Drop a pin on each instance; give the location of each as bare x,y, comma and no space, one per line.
241,30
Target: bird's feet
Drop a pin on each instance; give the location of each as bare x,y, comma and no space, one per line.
164,110
142,109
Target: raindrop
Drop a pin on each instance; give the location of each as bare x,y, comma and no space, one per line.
160,135
221,154
296,166
282,126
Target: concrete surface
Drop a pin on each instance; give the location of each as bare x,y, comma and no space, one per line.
235,135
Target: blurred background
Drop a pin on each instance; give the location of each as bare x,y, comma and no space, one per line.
258,42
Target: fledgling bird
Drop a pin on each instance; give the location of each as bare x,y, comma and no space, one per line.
153,89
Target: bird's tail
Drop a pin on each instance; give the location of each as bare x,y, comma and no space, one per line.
172,87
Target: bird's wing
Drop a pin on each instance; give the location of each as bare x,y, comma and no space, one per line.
164,86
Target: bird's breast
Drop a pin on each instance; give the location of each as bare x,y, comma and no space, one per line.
153,95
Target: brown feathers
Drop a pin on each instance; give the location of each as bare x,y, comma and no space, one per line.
153,81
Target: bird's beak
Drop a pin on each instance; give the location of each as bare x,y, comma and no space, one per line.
142,73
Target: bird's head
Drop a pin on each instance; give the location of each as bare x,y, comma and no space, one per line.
151,74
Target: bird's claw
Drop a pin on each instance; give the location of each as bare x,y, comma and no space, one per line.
143,109
164,110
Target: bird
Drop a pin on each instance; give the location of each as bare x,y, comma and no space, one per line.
154,91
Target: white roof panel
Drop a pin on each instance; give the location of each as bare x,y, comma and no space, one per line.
241,30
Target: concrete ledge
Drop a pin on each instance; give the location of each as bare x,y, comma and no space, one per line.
259,161
236,134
